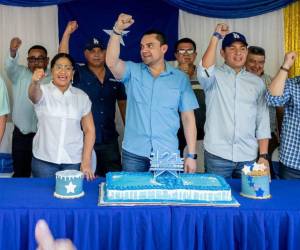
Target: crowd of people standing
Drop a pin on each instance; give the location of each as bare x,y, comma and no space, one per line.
63,112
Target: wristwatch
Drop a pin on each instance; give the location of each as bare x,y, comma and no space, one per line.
192,156
218,35
265,156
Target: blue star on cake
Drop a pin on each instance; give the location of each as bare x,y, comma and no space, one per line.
259,192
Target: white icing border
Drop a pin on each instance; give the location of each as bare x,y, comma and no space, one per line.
174,194
255,197
68,197
69,174
101,202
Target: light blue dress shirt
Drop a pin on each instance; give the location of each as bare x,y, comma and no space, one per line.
236,112
23,114
152,118
4,99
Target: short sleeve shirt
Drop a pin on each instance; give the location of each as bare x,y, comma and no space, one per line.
59,138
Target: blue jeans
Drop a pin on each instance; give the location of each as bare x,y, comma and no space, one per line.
46,169
134,163
226,168
288,173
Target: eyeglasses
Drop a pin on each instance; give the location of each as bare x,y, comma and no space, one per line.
185,51
36,59
59,67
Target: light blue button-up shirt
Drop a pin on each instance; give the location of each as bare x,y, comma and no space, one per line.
236,112
23,114
152,118
4,100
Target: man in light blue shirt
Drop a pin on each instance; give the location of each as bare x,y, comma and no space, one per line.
237,116
23,115
156,91
4,107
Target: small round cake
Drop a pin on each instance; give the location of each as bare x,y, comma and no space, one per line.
255,181
68,184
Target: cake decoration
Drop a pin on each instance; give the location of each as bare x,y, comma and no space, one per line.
68,184
166,168
255,181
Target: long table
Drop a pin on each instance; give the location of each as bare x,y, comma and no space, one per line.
256,224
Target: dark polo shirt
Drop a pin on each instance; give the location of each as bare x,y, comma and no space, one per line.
103,97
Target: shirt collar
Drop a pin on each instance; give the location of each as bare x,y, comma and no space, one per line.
56,91
107,75
169,69
228,69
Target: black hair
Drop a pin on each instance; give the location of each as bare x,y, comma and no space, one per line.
255,50
159,35
62,55
185,40
40,47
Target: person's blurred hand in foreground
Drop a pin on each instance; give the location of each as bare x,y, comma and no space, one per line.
45,240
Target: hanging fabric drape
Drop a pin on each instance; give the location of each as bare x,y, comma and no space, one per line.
229,8
209,8
32,3
292,34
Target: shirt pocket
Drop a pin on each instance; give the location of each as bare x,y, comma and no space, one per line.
169,98
140,93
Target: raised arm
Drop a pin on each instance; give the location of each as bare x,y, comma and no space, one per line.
15,44
34,91
209,57
11,65
115,64
64,43
276,87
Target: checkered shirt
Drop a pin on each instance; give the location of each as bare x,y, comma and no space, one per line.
290,134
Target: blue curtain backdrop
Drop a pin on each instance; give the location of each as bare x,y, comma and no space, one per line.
229,8
209,8
97,18
33,3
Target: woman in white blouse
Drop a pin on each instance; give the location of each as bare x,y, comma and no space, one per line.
66,131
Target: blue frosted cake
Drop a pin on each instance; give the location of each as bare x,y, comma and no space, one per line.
144,187
255,181
68,184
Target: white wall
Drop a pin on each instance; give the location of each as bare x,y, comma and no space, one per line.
265,30
32,26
